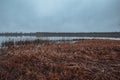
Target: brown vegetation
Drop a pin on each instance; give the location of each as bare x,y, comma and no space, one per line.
81,60
25,42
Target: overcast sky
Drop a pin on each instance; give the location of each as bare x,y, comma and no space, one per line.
59,15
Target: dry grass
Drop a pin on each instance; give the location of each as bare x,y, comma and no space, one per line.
82,60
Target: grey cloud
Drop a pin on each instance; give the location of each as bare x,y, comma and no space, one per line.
59,15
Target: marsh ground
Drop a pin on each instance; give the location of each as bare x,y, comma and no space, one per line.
80,60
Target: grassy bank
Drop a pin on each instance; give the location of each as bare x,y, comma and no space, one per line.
81,60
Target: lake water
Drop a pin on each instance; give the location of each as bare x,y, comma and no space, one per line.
3,39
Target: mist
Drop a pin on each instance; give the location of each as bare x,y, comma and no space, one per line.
59,15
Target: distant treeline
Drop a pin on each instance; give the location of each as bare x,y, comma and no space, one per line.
66,34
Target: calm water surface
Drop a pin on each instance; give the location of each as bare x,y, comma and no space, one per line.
3,39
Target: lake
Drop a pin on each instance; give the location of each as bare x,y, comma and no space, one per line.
4,38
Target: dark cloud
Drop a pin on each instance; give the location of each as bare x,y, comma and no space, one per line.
59,15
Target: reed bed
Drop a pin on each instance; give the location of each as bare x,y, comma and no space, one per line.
81,60
25,42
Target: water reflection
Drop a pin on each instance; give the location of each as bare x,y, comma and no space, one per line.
3,39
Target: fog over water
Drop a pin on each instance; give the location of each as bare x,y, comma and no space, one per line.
59,15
